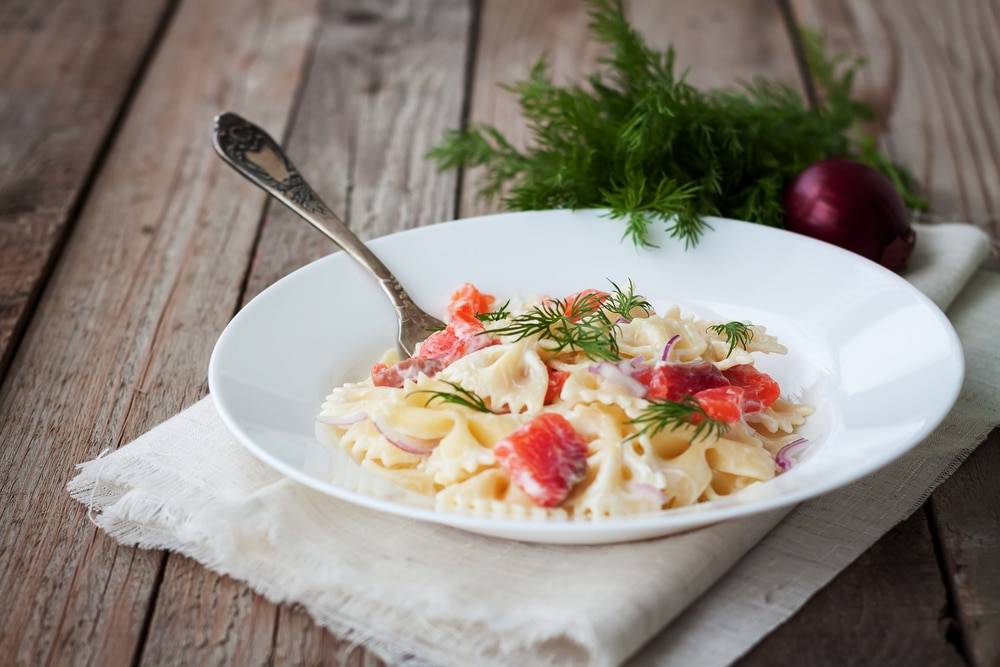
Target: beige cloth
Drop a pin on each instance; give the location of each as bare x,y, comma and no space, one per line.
424,594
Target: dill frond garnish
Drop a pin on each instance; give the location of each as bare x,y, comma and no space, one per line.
461,396
580,325
636,137
672,415
501,313
739,334
624,303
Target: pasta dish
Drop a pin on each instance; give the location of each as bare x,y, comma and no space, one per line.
585,407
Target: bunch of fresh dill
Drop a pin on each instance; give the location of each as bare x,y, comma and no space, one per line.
646,144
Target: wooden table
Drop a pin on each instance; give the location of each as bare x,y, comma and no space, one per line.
126,246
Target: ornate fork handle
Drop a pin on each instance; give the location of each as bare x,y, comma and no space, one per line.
258,157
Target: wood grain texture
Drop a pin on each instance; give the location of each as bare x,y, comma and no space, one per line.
513,34
722,42
934,79
121,337
410,88
207,620
299,641
65,71
879,611
384,80
966,516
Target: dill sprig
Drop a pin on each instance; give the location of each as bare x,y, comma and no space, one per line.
625,302
501,313
672,415
641,140
580,325
739,334
461,396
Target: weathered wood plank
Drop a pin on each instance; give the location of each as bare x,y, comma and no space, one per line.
386,81
299,641
722,42
966,515
202,618
66,69
885,609
122,335
386,78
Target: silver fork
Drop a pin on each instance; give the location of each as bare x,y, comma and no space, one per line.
253,153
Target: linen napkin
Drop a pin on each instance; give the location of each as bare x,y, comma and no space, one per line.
421,594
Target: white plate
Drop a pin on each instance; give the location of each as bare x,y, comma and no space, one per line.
881,364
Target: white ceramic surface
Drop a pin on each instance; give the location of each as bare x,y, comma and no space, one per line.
881,364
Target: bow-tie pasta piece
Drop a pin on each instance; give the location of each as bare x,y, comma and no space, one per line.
646,338
467,448
510,377
490,493
352,403
583,387
781,417
609,490
718,347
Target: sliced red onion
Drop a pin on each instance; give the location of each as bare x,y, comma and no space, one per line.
614,374
783,459
346,420
669,346
648,490
622,320
633,365
409,444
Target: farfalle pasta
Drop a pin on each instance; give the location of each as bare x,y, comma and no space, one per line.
585,407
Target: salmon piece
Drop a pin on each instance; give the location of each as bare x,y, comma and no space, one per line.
556,381
467,302
760,389
724,404
452,343
673,382
546,458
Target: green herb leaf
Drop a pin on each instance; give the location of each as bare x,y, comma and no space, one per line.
624,303
737,333
461,396
577,326
639,139
672,415
501,313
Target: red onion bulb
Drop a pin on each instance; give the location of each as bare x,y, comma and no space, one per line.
851,205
